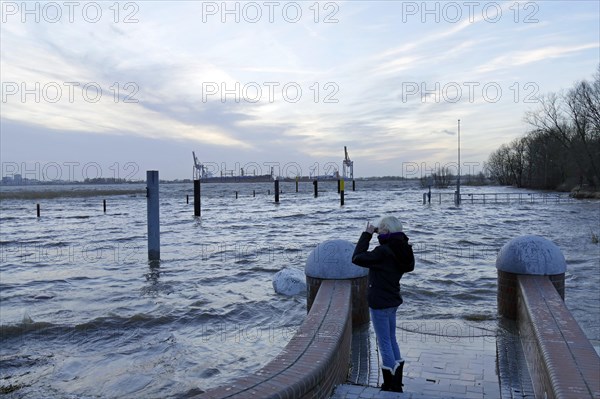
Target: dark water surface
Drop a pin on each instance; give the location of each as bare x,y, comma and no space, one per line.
83,313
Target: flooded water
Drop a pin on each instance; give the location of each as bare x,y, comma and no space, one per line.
84,314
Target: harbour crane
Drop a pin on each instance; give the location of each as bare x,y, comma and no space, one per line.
348,166
199,171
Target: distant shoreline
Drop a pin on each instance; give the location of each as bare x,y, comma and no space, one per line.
585,194
82,189
49,194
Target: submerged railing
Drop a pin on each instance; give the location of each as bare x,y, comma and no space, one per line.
492,198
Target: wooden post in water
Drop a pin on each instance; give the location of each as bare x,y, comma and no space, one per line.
296,183
253,193
353,185
153,215
458,197
187,199
316,184
236,195
197,197
276,191
339,185
38,210
104,205
341,192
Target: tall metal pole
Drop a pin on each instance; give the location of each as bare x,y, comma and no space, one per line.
458,178
153,215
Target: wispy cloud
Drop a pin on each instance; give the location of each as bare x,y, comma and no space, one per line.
363,63
518,58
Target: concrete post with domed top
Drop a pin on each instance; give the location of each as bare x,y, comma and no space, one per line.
560,359
527,255
332,260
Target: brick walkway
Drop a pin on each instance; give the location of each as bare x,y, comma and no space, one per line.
444,359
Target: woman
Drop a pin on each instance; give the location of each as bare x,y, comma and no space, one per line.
387,263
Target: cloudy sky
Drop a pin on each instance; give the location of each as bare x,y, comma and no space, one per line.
108,89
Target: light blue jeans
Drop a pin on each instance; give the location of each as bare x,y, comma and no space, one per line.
384,323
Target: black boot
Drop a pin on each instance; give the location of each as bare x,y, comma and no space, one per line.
388,380
397,378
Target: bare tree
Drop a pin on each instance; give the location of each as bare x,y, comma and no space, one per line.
550,118
498,166
590,97
547,160
583,106
517,161
572,118
441,178
563,147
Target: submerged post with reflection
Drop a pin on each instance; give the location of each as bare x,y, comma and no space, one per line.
153,215
196,197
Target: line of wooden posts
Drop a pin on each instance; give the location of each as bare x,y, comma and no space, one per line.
152,182
39,208
276,190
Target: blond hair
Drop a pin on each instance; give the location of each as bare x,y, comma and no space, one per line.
389,223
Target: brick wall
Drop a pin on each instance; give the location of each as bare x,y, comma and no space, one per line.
561,360
313,362
508,292
360,305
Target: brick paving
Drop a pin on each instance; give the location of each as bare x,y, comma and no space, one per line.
444,359
515,381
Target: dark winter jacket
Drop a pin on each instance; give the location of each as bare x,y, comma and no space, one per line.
387,263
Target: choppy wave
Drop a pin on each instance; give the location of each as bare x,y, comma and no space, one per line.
200,314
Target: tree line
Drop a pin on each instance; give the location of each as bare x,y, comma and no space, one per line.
562,148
